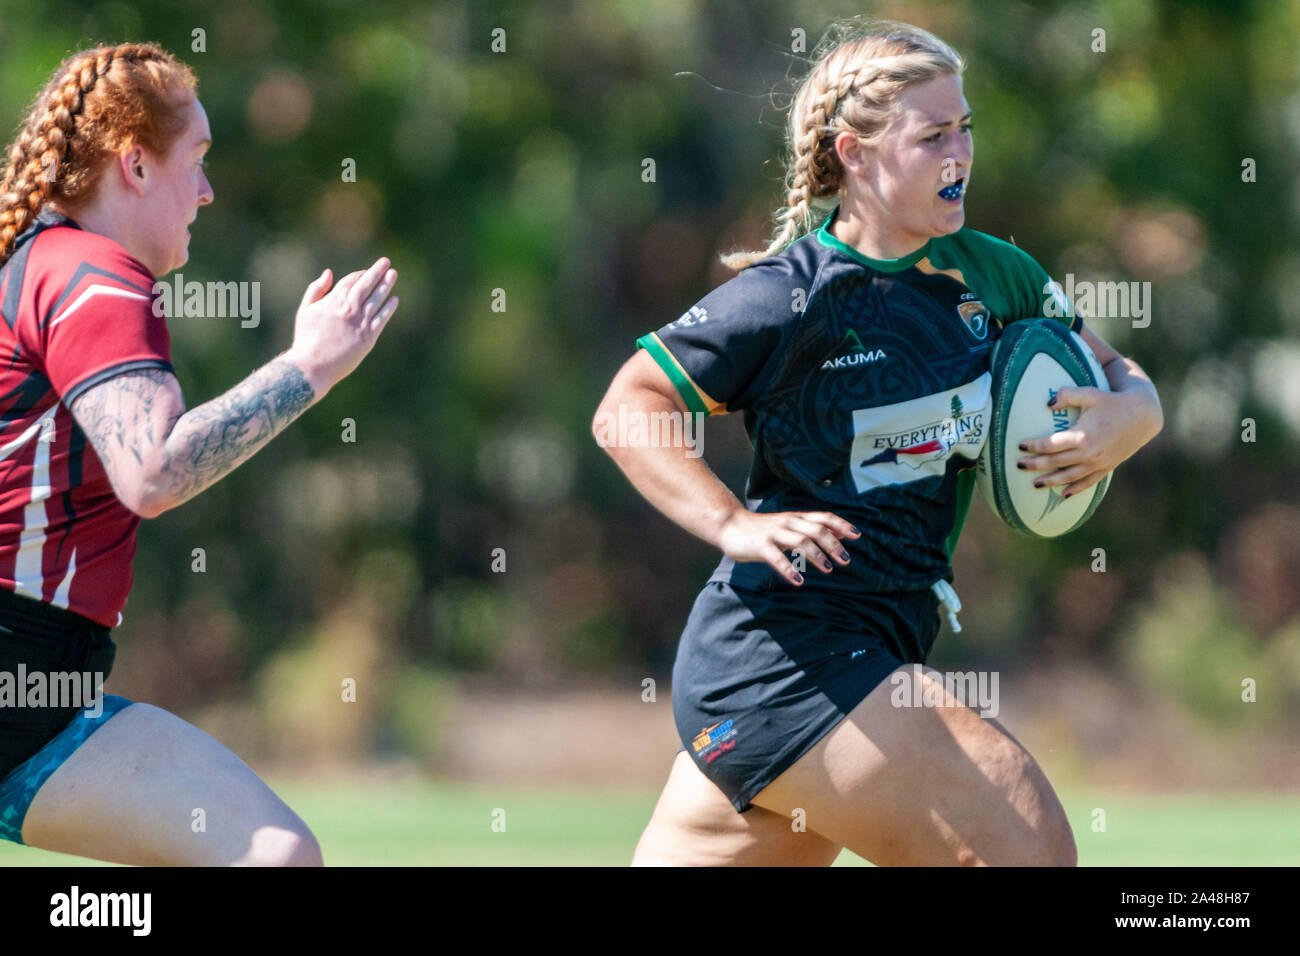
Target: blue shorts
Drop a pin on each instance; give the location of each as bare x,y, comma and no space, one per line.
760,677
18,789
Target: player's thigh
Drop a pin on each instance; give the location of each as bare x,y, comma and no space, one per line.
918,785
147,788
694,824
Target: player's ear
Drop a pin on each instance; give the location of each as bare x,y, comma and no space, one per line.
855,158
131,165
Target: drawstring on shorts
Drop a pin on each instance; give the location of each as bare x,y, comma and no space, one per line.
951,601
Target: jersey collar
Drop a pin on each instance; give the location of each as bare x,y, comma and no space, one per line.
43,220
54,218
826,238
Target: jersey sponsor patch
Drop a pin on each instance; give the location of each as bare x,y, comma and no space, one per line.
907,441
851,352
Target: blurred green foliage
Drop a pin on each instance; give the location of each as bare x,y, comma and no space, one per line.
521,171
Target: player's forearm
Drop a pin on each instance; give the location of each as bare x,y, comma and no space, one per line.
212,440
683,488
1126,376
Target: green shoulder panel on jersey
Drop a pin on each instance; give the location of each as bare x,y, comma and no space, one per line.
1008,280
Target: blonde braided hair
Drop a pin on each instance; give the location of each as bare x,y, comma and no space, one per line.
97,102
860,68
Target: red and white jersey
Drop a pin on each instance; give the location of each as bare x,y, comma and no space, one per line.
78,310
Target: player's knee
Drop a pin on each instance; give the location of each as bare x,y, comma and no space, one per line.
277,846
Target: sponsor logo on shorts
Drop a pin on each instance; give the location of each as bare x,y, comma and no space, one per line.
715,741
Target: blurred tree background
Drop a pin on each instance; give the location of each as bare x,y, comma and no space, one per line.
521,171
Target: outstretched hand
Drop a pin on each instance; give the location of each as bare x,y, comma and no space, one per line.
336,327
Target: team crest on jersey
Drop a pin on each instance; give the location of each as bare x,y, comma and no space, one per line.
908,441
975,315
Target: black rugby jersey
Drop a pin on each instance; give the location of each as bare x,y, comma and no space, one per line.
865,387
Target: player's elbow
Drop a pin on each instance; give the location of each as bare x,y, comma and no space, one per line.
147,497
1155,414
152,508
142,505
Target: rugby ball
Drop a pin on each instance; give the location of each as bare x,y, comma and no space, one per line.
1031,360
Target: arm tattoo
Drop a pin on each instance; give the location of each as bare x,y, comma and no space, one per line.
200,446
117,416
213,439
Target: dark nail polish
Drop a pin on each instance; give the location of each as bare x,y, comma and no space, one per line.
1024,446
1020,465
798,578
855,530
844,556
1038,484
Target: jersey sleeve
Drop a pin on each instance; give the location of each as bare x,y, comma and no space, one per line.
722,351
1033,293
101,323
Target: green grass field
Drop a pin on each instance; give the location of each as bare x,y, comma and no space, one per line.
437,823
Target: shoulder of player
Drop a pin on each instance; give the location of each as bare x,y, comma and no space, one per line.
70,271
971,243
794,266
68,254
765,292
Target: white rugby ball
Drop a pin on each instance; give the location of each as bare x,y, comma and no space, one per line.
1030,361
